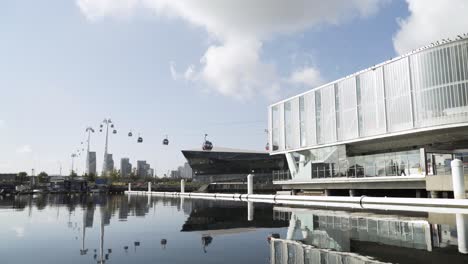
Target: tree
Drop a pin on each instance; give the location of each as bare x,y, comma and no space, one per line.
73,174
114,176
22,177
90,177
42,177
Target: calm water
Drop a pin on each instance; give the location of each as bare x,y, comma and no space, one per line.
140,229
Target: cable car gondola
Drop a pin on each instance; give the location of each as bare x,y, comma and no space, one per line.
207,145
130,134
267,147
165,141
140,139
115,131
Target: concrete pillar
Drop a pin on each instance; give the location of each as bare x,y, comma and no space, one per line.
462,233
250,184
149,186
182,186
435,194
458,179
352,192
327,192
445,195
250,211
129,186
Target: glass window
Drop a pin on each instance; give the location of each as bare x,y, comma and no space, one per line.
288,125
370,168
318,113
275,127
302,121
414,162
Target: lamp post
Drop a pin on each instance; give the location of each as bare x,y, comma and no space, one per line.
107,122
89,130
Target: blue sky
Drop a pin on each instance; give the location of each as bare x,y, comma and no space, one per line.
181,68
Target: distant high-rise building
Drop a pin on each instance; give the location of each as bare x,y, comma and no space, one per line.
108,166
187,171
142,168
175,174
184,171
150,172
91,163
125,167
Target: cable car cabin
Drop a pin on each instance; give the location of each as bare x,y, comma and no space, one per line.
140,140
267,147
115,131
112,126
130,134
207,145
100,130
166,141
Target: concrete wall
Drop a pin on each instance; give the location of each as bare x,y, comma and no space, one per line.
442,183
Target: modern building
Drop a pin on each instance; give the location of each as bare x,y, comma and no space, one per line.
396,125
108,165
150,172
125,167
185,171
175,174
226,164
91,163
142,168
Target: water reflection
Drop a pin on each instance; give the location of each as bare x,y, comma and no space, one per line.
110,230
341,237
149,229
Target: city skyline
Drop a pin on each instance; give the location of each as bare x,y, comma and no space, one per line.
69,64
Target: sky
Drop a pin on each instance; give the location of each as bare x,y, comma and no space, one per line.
183,68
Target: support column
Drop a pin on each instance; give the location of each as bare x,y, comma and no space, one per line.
250,184
462,233
129,186
149,187
326,192
435,194
182,186
250,211
352,192
458,179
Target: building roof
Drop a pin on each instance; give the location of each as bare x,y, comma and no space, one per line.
227,150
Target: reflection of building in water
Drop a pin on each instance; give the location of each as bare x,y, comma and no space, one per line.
385,237
217,217
288,251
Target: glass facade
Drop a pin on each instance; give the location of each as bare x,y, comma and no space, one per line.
332,162
275,131
424,89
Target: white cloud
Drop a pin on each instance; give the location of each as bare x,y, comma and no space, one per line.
233,66
308,75
174,73
430,21
95,9
190,73
24,149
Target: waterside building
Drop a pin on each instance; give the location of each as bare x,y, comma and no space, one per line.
393,127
